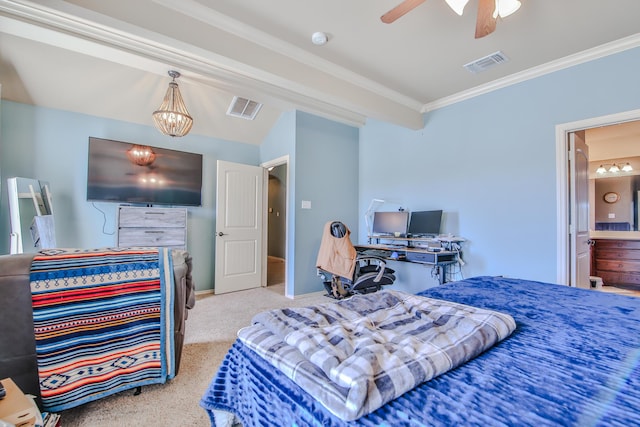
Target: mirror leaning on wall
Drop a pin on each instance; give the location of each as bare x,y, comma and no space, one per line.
31,215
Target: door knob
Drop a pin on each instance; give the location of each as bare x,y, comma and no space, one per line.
220,233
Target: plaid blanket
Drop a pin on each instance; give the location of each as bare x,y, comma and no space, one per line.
354,356
102,322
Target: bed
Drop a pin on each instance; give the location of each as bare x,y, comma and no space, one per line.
573,359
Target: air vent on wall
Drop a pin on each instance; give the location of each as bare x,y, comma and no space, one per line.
486,62
243,108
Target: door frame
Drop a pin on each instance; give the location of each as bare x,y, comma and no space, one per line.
579,221
283,160
563,267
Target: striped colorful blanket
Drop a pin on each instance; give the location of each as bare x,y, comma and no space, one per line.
354,356
103,322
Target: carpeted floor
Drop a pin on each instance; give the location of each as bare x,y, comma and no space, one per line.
211,329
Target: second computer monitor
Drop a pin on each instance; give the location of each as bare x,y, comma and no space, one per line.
389,223
425,223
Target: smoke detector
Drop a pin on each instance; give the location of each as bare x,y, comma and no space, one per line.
319,38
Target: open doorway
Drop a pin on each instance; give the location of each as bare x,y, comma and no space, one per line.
276,220
276,225
614,154
604,141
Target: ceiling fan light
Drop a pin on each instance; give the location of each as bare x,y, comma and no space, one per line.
601,170
457,5
505,8
614,168
627,168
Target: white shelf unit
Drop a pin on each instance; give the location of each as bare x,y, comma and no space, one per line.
142,226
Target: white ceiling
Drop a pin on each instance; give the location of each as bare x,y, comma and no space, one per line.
110,58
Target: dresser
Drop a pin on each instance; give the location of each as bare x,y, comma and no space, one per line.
140,226
616,261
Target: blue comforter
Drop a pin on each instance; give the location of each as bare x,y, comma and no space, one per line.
574,359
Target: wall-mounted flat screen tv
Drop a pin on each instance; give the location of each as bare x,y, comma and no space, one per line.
140,174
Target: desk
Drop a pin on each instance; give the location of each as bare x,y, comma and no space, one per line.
440,260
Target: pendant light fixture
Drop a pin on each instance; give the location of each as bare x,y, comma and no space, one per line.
172,117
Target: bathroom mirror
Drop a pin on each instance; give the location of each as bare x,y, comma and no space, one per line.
615,195
614,172
31,215
616,206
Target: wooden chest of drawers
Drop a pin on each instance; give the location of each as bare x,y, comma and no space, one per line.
165,227
616,261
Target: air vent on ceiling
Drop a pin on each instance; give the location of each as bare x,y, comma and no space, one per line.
243,108
486,62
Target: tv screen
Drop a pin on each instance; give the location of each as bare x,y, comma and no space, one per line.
140,174
425,223
388,223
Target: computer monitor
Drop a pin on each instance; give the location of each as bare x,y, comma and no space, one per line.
388,223
425,223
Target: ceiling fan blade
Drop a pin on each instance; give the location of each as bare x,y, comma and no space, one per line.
486,22
399,10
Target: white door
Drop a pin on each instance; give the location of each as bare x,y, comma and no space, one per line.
239,227
579,242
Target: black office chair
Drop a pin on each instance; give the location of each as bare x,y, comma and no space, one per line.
370,273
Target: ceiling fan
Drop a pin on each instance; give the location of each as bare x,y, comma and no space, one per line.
488,12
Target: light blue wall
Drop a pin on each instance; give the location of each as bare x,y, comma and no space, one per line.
51,145
327,176
281,141
323,169
490,164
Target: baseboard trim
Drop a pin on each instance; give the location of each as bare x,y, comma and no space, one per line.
310,294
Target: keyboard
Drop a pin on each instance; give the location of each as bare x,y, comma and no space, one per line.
377,252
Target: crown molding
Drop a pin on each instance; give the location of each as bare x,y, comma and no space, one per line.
541,70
